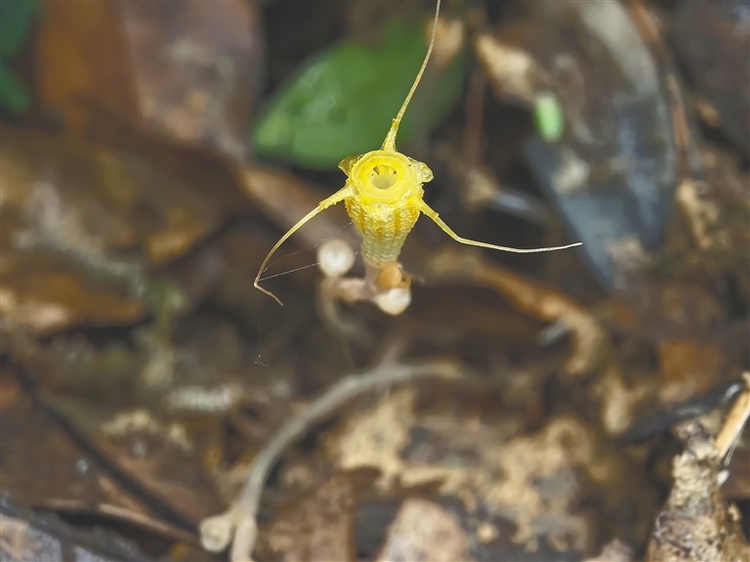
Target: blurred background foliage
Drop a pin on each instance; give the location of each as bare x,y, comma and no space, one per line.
15,21
152,152
341,102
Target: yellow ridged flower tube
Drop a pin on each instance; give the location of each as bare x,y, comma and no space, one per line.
385,202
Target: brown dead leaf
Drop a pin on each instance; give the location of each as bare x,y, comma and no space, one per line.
590,341
181,231
161,459
71,196
195,67
158,457
425,532
55,473
187,69
81,228
689,368
81,59
42,294
319,527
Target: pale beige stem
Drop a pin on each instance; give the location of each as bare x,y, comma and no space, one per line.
238,524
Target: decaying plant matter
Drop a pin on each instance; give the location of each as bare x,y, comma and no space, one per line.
238,525
170,404
695,524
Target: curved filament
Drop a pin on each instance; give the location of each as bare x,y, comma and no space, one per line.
337,197
389,143
431,213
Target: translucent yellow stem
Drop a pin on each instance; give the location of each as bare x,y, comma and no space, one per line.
337,197
430,212
389,143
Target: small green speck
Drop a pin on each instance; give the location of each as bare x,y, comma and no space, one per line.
549,117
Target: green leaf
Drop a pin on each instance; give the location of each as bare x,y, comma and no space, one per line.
549,117
15,16
12,94
342,100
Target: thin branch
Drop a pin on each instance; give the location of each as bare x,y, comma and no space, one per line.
238,524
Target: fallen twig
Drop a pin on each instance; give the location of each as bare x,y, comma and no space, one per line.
238,524
730,433
590,341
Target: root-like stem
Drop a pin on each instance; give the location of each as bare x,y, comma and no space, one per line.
238,524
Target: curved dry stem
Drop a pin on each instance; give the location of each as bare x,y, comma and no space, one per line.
238,524
735,422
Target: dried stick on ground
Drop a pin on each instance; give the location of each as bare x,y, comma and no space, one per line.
695,525
238,524
735,422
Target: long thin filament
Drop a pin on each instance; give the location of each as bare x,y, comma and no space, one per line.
337,197
390,139
430,212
